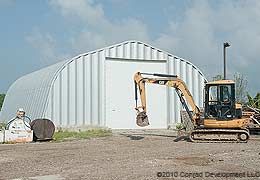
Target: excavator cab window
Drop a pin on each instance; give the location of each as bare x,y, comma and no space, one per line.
220,101
225,94
213,101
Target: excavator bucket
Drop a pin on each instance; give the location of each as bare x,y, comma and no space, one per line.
142,119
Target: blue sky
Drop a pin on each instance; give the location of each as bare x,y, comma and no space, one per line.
35,34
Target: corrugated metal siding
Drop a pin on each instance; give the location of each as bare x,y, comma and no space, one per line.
30,92
194,80
75,91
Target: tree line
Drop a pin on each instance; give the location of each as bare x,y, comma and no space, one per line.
2,97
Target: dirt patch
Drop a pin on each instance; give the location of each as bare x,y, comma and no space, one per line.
126,155
197,161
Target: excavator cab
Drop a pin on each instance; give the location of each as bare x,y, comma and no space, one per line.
220,103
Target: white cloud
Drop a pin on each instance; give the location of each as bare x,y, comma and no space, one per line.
199,36
45,44
87,11
98,30
193,37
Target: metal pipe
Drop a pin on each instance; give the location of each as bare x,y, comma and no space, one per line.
136,96
225,45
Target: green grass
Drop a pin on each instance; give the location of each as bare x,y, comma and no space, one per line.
61,135
179,126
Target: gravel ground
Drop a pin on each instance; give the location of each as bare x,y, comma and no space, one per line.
130,155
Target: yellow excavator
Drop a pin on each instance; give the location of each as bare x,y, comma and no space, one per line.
222,119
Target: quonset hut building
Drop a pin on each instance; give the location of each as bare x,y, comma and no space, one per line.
97,89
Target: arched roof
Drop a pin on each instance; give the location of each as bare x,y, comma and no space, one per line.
32,90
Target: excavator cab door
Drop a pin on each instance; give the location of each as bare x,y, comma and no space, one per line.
220,101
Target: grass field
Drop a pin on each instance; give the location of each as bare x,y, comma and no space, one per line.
72,135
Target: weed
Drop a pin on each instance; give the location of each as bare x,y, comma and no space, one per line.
61,135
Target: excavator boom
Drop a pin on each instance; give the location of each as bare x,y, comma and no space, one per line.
165,80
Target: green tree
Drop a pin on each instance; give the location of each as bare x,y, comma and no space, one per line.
254,102
257,100
2,97
250,101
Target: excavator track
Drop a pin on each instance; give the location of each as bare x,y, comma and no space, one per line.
219,135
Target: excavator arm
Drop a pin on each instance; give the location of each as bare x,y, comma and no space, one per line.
165,80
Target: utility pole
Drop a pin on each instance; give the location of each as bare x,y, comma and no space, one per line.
226,44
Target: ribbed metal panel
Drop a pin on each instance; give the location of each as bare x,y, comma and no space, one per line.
73,93
30,92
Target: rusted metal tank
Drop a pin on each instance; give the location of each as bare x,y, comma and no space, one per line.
43,129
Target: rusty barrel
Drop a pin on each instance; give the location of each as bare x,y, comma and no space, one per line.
43,129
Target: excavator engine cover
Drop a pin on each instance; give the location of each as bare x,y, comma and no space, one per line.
142,119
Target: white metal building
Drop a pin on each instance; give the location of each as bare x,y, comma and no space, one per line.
97,89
